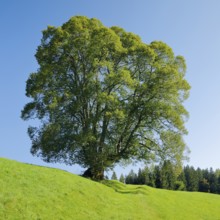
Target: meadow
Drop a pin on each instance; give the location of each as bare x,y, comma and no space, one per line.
32,192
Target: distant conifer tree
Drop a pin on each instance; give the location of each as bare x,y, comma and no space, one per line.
114,176
122,178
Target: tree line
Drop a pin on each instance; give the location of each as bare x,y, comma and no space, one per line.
168,176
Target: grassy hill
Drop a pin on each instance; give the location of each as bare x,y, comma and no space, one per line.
33,192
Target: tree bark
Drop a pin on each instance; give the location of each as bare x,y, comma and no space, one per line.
94,174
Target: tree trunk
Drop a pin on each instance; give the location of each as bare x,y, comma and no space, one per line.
94,174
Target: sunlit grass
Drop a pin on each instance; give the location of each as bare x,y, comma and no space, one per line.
33,192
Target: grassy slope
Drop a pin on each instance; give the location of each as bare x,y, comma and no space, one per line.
33,192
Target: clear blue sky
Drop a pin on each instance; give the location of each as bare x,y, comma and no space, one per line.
190,27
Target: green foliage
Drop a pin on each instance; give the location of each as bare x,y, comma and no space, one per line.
114,176
179,185
131,178
102,95
192,178
167,175
30,192
204,185
122,178
164,176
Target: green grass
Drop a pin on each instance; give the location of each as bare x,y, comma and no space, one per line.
33,192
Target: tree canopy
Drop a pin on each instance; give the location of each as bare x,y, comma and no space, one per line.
102,95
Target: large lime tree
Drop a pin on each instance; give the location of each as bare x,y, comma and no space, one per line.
102,95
